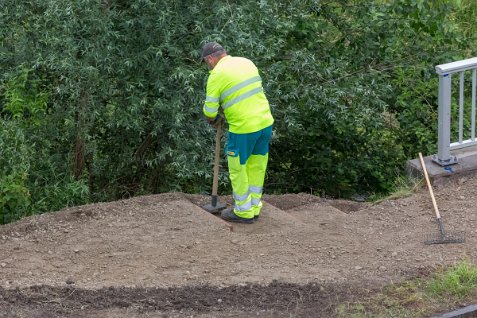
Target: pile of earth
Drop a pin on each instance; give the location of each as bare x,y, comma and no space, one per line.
164,256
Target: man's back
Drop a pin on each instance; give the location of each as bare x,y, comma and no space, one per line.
236,83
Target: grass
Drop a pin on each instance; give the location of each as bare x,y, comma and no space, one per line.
459,281
445,289
403,187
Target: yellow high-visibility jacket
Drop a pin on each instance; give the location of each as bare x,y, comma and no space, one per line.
235,84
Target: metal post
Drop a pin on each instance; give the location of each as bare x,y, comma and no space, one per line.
445,71
444,157
474,80
461,108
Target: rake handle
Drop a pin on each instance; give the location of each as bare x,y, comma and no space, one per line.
429,186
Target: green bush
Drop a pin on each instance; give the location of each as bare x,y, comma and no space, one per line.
31,180
14,168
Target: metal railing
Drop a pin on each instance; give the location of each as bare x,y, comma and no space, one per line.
445,72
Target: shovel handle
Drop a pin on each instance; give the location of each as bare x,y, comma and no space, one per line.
218,136
429,186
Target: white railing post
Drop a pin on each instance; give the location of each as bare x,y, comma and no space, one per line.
445,71
474,80
444,157
461,108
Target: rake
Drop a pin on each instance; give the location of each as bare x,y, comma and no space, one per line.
442,237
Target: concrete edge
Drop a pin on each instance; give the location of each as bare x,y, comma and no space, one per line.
465,167
460,313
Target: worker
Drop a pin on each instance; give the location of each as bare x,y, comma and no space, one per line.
235,85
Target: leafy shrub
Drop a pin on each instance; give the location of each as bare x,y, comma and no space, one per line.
14,168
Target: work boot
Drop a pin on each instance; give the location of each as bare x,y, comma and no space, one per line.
230,216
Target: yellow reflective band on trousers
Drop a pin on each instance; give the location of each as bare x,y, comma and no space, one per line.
247,182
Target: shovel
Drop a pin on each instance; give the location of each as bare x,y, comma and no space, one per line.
442,237
215,206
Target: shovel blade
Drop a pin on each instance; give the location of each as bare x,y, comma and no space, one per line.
214,209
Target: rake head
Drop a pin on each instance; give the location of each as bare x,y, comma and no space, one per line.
443,237
447,238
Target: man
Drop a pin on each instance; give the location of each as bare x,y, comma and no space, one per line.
235,84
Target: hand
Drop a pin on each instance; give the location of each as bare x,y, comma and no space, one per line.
214,121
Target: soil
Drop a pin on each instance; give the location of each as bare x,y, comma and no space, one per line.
164,256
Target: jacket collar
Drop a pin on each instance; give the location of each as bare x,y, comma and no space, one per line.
220,61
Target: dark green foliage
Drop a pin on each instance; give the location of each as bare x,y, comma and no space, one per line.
105,96
14,168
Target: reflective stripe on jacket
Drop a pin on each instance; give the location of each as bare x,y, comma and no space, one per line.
235,84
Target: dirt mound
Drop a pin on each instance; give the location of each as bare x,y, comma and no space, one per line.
151,246
274,300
